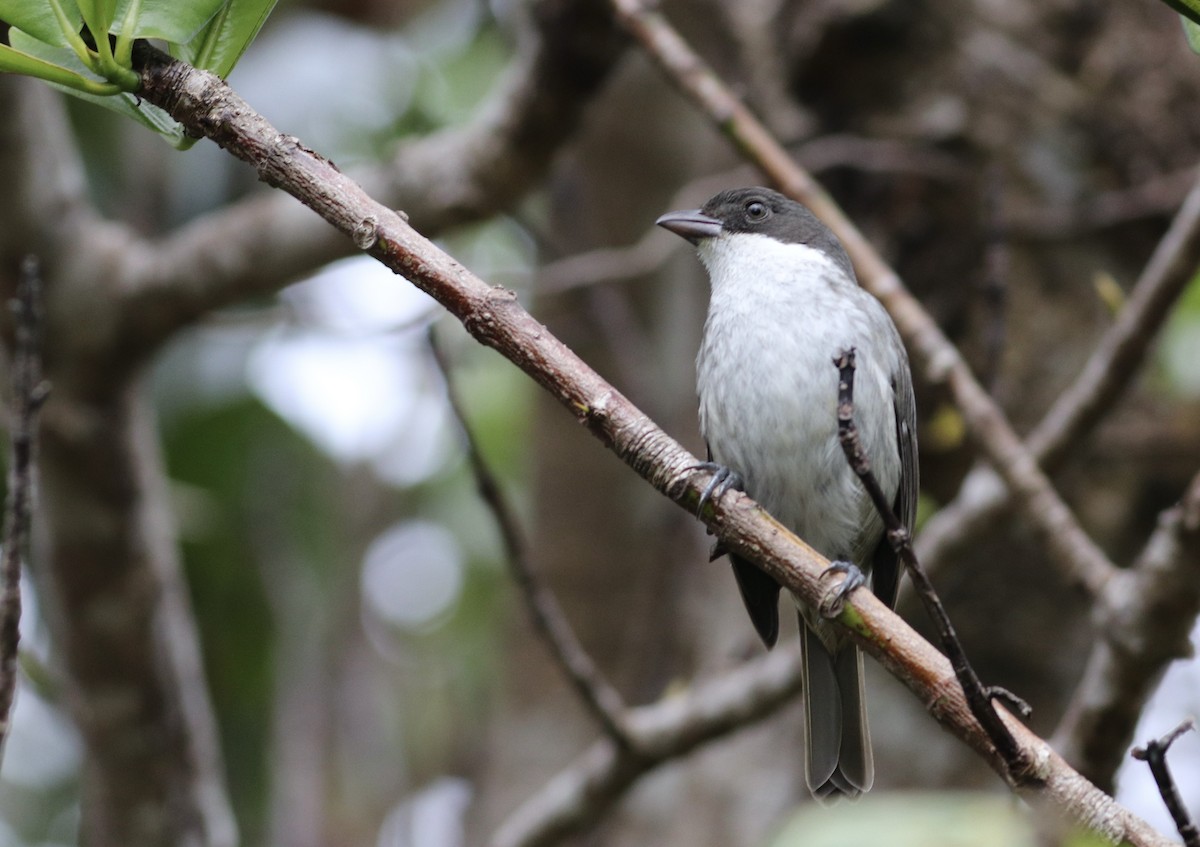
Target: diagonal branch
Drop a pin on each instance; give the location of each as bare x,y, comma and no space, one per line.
582,792
206,106
1144,617
1120,352
442,180
1109,370
979,699
597,694
1014,464
1154,754
1080,557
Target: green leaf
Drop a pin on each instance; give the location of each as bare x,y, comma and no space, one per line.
14,61
37,18
69,59
175,21
98,15
62,56
226,37
1190,9
1191,31
147,115
210,34
126,104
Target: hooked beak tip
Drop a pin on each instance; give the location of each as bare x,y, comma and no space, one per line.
691,224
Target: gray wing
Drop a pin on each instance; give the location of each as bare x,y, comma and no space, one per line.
886,570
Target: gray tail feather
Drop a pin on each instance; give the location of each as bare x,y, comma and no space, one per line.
836,737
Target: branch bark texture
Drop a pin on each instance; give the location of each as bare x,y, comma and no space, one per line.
28,394
492,315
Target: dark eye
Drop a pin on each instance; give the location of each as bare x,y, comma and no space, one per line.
757,211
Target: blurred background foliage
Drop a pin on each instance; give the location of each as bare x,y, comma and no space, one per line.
337,555
368,661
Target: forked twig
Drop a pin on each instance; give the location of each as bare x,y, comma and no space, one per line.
1154,754
979,697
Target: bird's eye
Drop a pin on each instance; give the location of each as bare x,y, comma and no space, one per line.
757,211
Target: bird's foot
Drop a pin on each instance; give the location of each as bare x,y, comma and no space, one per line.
835,601
723,480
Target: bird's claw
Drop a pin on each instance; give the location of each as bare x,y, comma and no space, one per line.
835,601
723,480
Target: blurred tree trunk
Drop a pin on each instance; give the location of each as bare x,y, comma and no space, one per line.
136,682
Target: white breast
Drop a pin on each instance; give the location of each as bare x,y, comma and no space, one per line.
779,315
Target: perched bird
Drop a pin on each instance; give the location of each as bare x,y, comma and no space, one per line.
785,303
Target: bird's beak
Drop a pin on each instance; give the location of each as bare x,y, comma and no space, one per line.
691,224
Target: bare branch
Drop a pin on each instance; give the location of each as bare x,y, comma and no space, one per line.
1156,196
1122,349
978,697
1155,755
1109,370
1144,620
662,732
1079,556
28,394
205,105
441,180
597,694
120,616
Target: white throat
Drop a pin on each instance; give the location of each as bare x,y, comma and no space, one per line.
754,263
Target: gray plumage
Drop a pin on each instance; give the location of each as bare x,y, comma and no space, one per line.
785,302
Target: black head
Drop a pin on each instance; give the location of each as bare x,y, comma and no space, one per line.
759,211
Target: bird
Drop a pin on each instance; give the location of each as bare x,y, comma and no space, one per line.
784,303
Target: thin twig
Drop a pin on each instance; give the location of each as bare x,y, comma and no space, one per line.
28,394
1156,196
979,698
994,286
1144,621
1121,351
1154,754
597,694
582,792
1059,530
1117,357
